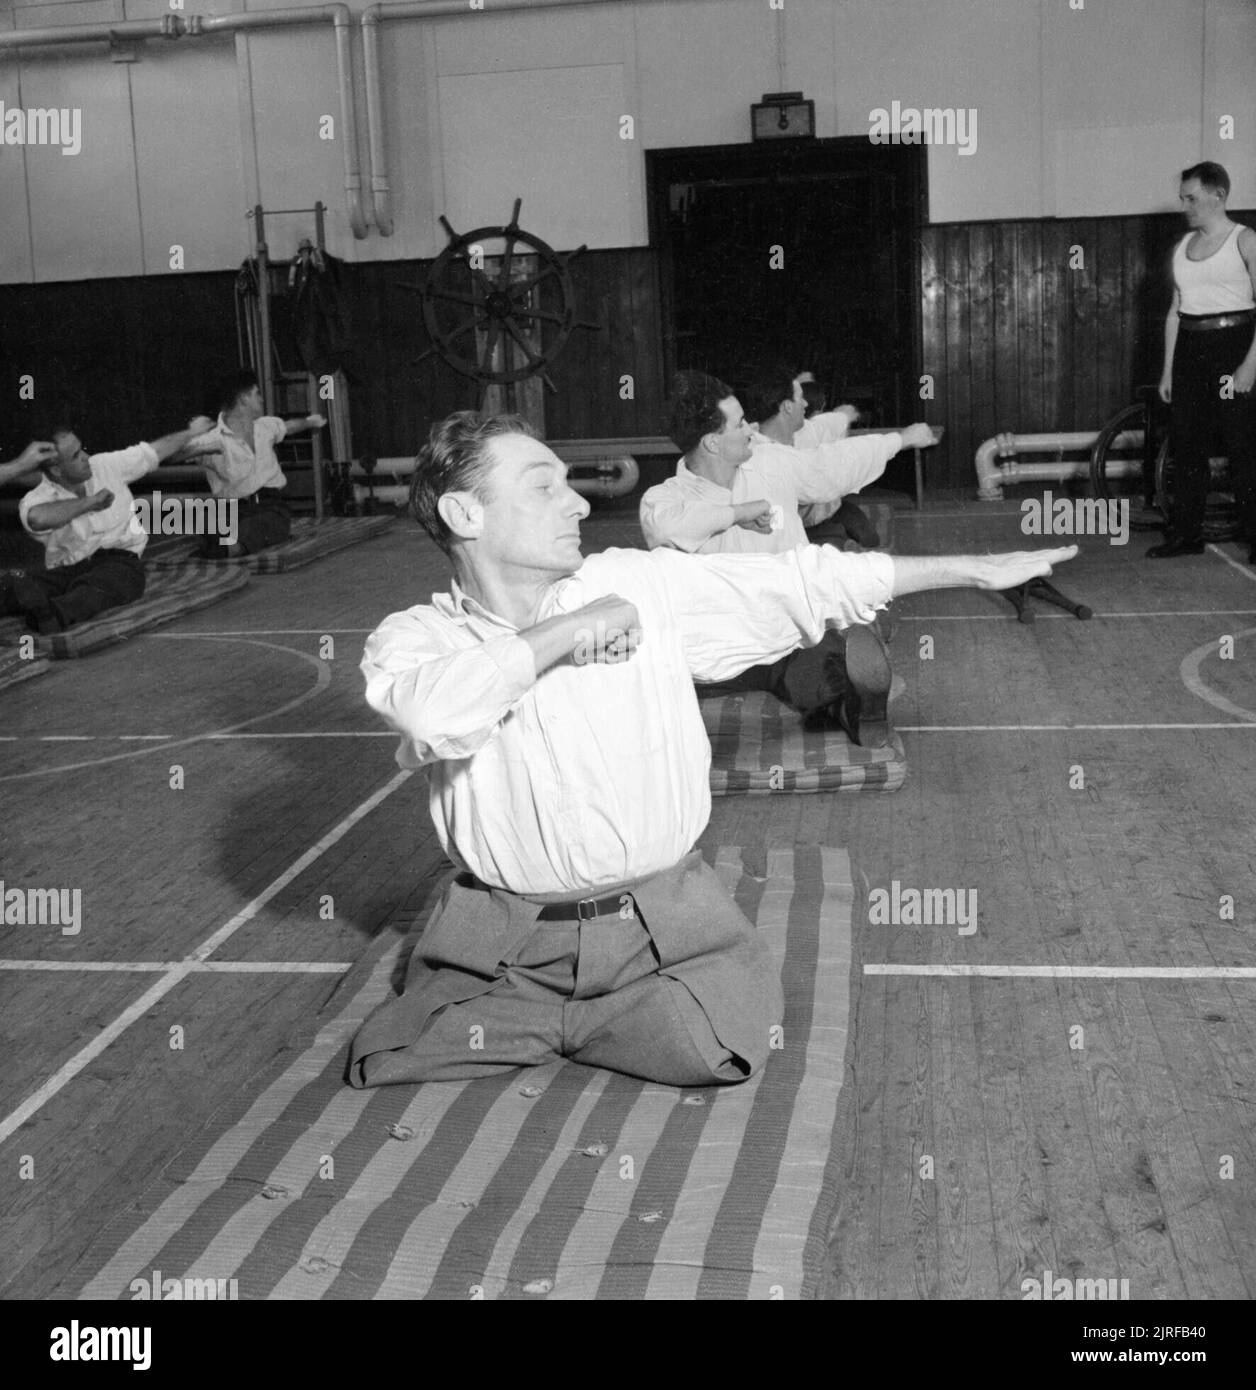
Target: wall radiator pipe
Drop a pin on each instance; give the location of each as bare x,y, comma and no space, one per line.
601,477
992,476
195,26
381,195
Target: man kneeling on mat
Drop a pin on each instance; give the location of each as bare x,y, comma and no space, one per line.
735,491
239,460
552,699
83,512
823,426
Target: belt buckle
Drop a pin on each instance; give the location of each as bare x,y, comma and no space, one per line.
584,916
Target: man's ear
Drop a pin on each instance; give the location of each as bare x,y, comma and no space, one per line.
463,513
711,442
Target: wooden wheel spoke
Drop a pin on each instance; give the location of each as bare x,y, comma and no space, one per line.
490,347
533,280
544,314
508,260
511,328
454,297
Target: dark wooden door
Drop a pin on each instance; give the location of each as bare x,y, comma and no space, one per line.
803,254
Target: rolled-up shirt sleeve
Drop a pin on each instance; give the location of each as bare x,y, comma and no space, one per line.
446,702
684,523
129,464
830,471
737,611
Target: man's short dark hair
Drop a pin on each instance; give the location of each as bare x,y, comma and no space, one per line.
696,409
232,387
814,394
1211,176
55,433
768,391
456,459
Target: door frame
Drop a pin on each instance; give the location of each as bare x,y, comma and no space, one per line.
907,164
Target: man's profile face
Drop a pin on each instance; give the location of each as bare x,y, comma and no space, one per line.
73,464
734,438
794,411
531,518
250,403
1197,201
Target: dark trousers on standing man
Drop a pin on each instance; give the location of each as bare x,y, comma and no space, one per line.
1204,423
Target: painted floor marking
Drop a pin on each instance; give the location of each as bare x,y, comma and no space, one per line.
1072,972
214,967
180,971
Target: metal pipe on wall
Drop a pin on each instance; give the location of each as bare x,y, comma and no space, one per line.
991,477
194,26
342,19
608,476
381,198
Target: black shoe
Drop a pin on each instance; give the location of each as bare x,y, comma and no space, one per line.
857,524
35,606
861,710
1173,547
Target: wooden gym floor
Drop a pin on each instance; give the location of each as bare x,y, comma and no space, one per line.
1080,1101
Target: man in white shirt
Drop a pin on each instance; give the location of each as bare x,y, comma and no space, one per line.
551,698
240,464
823,426
738,491
93,541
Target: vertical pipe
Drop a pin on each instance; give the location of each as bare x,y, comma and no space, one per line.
349,122
266,363
380,199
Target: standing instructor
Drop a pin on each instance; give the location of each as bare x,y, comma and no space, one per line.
1210,361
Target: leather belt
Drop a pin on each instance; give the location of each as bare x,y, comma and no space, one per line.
1199,323
586,909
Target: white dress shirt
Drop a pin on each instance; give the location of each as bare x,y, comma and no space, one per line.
823,428
115,528
692,513
592,775
235,470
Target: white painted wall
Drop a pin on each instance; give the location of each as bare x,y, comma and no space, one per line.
1079,112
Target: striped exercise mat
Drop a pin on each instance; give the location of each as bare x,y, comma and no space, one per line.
17,664
759,746
310,541
167,595
560,1182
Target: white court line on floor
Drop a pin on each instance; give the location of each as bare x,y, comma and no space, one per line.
901,728
259,632
1039,616
180,971
322,681
208,967
1245,570
1073,972
1054,728
1193,680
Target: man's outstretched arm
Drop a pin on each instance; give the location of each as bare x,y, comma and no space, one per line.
737,611
914,573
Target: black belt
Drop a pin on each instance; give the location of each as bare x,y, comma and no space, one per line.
1197,323
586,909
